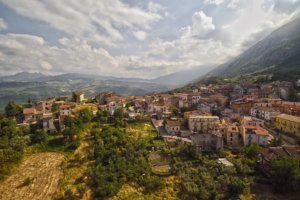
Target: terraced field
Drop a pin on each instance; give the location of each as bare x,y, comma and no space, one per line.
37,178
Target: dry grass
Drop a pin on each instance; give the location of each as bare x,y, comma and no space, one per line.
160,163
131,191
37,178
143,130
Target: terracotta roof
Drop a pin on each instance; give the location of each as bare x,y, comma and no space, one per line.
257,130
172,123
289,118
275,152
261,132
27,111
64,107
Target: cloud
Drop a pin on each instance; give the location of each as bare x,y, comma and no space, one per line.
233,4
286,6
3,25
215,2
201,25
21,52
95,21
140,35
119,39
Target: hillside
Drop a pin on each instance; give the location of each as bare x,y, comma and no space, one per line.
278,53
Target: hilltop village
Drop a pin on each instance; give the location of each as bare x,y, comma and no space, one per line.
234,133
210,118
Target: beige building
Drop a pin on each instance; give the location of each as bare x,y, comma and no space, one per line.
234,136
200,123
288,123
173,127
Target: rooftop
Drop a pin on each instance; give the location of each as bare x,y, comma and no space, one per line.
172,123
27,111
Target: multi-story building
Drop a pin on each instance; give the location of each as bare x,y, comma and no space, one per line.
207,142
234,136
65,110
200,123
255,135
173,127
264,113
288,123
78,96
252,121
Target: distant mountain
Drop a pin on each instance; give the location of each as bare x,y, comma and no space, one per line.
278,53
24,85
182,78
36,86
22,76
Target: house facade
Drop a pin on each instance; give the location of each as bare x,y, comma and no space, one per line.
202,123
288,124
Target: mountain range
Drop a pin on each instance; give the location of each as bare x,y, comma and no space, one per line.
277,54
24,85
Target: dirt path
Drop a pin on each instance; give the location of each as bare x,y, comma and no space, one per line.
37,178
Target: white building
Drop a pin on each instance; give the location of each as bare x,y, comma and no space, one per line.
65,110
255,135
264,113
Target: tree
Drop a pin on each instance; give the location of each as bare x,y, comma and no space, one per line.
293,96
13,109
40,136
119,113
236,186
285,174
69,133
86,115
55,108
252,151
277,142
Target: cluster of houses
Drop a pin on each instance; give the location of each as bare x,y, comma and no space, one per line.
209,117
49,114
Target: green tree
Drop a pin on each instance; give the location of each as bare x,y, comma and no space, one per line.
13,109
40,136
236,186
285,174
86,115
293,96
70,132
252,151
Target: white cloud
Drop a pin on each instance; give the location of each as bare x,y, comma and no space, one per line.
202,24
95,21
140,35
234,4
205,38
31,53
215,2
3,25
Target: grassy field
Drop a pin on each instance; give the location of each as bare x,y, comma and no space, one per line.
160,163
131,191
144,131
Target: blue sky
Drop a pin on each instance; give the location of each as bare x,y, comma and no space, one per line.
132,38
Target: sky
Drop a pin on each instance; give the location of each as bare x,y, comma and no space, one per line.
132,38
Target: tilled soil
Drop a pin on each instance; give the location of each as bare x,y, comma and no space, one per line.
37,178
